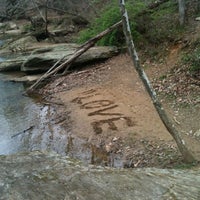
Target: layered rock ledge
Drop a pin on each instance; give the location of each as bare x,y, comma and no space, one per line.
42,176
40,59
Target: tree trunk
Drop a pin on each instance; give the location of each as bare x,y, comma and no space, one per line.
181,6
187,156
46,18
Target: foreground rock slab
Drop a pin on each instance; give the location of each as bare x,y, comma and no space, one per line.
42,176
39,59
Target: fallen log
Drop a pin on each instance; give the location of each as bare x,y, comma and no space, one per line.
66,64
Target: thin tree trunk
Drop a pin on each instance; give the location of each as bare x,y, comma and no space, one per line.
181,6
187,156
66,64
46,17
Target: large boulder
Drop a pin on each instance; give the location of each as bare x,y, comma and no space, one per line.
49,176
41,60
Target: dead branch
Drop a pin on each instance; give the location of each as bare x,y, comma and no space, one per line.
24,131
66,64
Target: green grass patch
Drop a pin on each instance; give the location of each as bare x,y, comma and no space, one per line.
109,16
164,9
154,27
163,24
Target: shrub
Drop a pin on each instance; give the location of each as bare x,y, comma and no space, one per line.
109,16
194,61
162,24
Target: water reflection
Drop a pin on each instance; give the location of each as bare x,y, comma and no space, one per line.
28,125
1,43
17,114
10,115
1,59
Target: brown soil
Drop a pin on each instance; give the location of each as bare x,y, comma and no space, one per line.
110,110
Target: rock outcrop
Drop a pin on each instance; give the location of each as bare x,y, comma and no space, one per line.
22,45
42,176
9,29
42,58
11,64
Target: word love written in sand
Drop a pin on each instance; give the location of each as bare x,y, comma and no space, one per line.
102,108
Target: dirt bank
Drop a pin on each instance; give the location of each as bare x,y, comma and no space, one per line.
110,109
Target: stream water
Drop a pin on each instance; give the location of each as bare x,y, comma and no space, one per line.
25,124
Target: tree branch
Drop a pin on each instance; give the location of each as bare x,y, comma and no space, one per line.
66,64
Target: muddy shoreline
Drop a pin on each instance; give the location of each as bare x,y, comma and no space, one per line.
99,115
